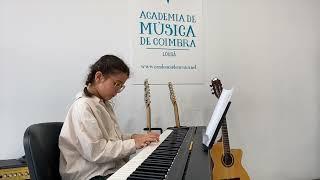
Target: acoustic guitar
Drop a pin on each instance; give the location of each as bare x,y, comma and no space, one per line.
174,103
227,162
147,103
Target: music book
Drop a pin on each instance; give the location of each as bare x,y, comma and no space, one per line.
218,111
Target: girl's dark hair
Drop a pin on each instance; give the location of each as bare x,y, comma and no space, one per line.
107,64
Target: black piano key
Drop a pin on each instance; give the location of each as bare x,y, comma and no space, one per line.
164,155
157,164
158,161
155,167
133,177
158,157
151,170
170,146
165,150
150,173
155,160
145,175
162,170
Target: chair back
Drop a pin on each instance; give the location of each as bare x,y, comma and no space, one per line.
40,143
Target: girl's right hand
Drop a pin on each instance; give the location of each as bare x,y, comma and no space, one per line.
143,140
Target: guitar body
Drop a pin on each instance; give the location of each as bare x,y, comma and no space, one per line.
221,170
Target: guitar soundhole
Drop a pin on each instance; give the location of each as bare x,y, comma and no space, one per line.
227,160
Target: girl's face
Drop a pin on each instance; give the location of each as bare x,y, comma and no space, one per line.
109,86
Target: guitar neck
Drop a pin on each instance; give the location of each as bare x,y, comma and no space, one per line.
225,136
148,111
176,115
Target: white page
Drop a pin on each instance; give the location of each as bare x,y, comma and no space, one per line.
216,115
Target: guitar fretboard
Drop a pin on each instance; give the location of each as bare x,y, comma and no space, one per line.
225,137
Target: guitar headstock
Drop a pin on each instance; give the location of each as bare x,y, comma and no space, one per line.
172,95
216,87
146,92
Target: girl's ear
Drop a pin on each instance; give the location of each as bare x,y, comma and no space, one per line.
98,76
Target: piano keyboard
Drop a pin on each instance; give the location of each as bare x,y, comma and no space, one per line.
155,160
172,158
131,166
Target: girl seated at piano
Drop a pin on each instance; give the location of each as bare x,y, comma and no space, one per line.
91,143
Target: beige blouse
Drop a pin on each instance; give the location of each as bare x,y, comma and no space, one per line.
91,142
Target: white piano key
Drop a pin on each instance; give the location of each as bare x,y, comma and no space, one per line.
131,166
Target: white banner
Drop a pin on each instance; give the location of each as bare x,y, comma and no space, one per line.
166,39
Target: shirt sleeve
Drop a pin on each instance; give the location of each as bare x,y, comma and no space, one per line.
126,136
90,142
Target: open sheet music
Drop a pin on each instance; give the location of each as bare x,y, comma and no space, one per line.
216,116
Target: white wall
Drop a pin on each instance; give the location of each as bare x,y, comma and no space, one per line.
267,50
45,50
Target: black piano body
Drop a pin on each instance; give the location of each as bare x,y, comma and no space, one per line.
191,161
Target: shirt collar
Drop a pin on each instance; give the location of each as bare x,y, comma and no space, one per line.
93,97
